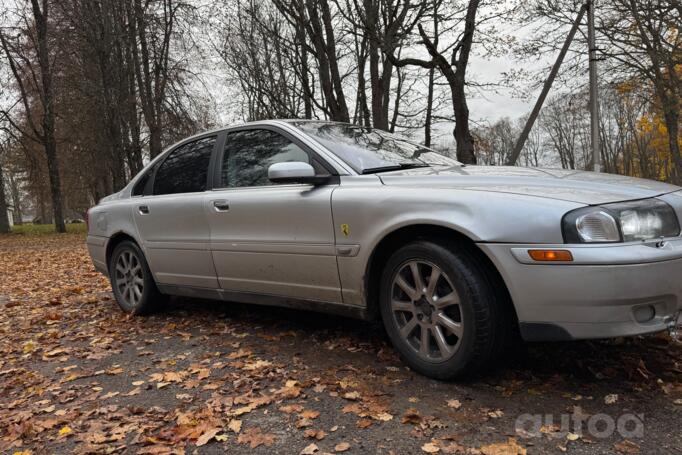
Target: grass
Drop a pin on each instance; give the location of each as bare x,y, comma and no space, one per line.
30,229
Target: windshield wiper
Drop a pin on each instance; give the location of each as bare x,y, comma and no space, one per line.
394,167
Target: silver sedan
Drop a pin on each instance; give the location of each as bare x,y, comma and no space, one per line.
456,260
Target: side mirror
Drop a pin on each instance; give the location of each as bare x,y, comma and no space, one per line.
294,172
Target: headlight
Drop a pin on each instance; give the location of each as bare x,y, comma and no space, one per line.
623,222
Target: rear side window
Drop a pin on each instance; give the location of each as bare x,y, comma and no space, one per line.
143,185
185,170
249,154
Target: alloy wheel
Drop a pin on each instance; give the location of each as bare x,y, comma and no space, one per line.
426,309
129,277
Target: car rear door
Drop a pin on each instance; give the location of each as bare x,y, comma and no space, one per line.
267,238
171,217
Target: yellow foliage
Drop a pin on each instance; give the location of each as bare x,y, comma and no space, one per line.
625,87
652,125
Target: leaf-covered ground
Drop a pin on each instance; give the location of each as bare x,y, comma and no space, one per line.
78,375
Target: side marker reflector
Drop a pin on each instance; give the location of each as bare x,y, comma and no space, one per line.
551,255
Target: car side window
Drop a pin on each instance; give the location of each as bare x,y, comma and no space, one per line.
185,170
141,184
143,187
249,153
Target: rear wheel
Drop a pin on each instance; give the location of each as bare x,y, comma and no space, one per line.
439,310
131,280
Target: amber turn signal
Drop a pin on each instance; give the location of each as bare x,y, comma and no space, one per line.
551,255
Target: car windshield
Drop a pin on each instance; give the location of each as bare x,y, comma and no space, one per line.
369,150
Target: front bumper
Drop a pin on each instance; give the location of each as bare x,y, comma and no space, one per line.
608,291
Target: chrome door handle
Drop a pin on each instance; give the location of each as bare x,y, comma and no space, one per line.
144,209
221,205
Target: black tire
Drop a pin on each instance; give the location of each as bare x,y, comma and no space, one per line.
148,299
481,314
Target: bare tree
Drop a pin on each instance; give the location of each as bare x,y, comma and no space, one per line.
264,56
152,25
384,25
98,66
454,70
430,87
566,123
495,143
30,60
315,18
362,114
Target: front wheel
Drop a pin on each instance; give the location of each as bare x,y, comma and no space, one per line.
439,310
131,280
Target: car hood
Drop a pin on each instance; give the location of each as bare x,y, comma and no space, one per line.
569,185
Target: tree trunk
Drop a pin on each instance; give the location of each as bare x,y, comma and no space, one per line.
132,120
16,199
105,42
4,219
136,164
463,137
151,73
305,79
155,142
344,116
321,33
362,114
377,82
55,182
429,110
432,78
672,121
454,70
396,102
362,111
42,210
49,141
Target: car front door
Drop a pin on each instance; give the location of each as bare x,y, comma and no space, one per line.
171,217
266,238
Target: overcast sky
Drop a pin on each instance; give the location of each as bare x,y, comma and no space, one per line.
493,105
